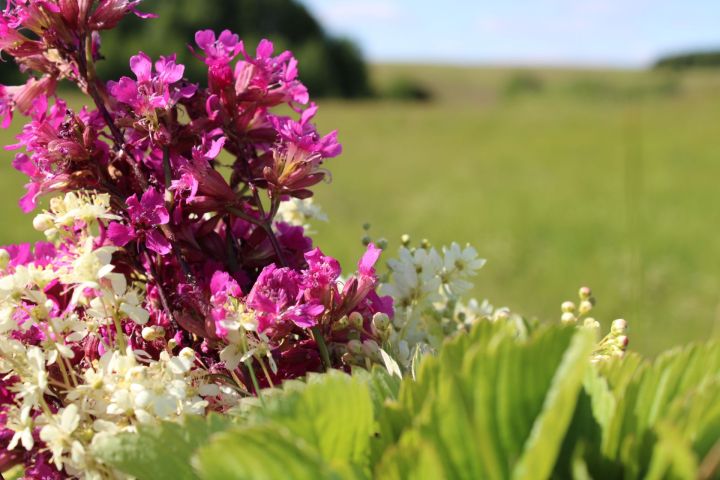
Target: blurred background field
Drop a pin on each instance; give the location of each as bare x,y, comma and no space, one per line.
607,179
560,177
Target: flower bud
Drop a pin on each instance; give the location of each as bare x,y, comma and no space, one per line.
341,324
152,333
4,258
584,293
568,317
501,314
366,240
42,222
356,320
381,321
619,326
348,358
425,243
405,240
591,323
382,243
57,204
567,307
370,349
585,307
366,226
355,347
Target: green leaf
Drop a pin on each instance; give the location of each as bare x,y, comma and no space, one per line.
333,412
14,473
159,452
632,405
412,458
543,446
389,422
491,403
672,456
265,452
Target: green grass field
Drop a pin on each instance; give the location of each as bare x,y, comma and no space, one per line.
599,178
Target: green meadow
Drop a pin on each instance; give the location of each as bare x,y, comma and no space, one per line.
560,178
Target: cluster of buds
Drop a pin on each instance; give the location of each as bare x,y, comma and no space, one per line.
573,314
613,344
364,339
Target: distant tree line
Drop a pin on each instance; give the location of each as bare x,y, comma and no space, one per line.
329,66
683,61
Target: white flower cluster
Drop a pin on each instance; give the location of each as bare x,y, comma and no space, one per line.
244,342
113,394
426,286
75,207
300,212
61,395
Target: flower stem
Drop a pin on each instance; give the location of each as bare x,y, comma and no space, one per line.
265,371
265,225
322,346
254,379
120,335
161,291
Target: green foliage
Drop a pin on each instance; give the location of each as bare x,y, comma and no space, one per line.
504,400
489,409
655,420
684,61
321,429
159,453
329,66
497,402
405,88
522,83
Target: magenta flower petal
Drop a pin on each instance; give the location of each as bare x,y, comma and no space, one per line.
368,260
141,66
157,242
119,234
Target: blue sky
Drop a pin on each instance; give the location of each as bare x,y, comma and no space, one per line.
629,33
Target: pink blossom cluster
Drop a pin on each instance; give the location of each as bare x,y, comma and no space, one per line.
195,176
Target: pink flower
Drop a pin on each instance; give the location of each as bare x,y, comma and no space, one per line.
222,288
320,277
277,297
151,91
269,80
298,154
40,182
145,215
109,13
15,43
150,211
359,286
29,99
304,135
206,188
221,50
